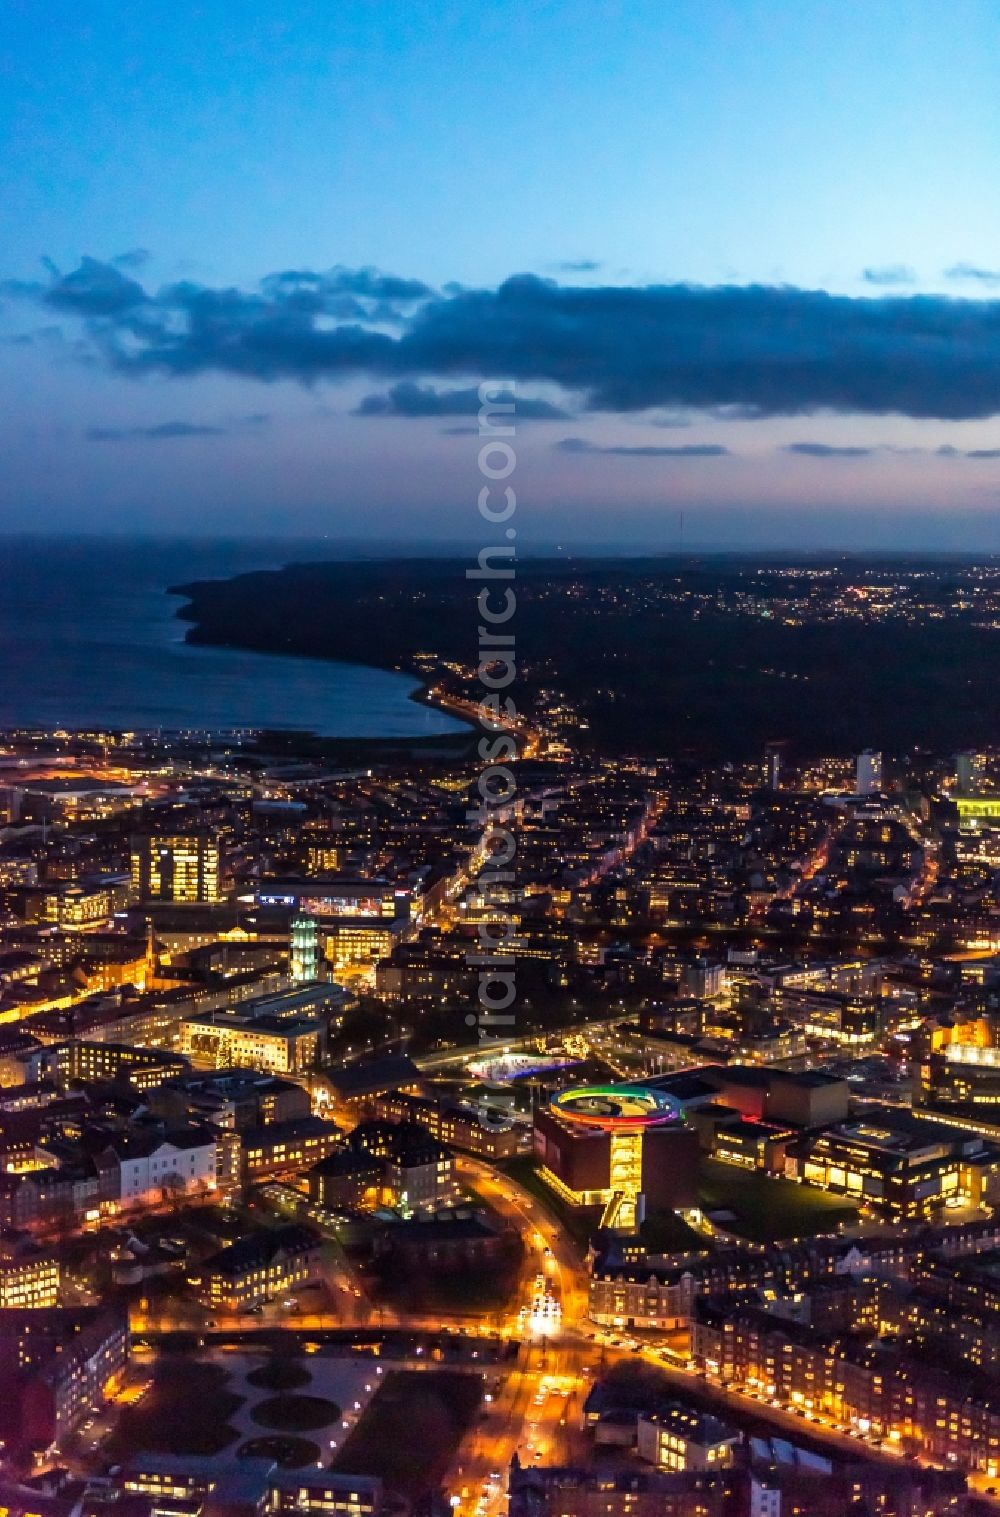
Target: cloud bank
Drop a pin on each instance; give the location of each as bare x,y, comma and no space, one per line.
408,399
162,430
755,350
642,450
889,274
167,430
828,450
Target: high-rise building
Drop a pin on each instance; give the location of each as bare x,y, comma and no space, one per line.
304,950
182,866
773,757
970,771
869,772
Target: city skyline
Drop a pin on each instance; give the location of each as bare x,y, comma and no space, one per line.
499,773
739,263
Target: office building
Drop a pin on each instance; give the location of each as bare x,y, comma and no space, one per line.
773,758
963,1077
29,1275
489,1135
896,1167
304,950
56,1367
98,1062
970,772
182,866
235,1487
259,1268
284,1148
334,896
868,773
280,1034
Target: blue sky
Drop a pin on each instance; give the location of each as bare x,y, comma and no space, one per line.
795,144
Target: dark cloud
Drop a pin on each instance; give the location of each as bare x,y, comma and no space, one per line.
829,450
826,450
889,274
95,289
579,266
366,284
50,335
642,450
135,258
162,429
414,400
972,273
730,350
669,423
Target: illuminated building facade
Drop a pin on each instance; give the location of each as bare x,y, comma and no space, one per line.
283,1148
324,857
874,1388
347,1178
204,1483
59,1365
221,1042
869,772
962,1075
29,1277
304,954
897,1170
974,810
151,1167
840,1017
280,1034
970,772
567,1491
98,1062
259,1268
677,1438
358,943
181,866
458,1126
621,1147
326,1492
642,1297
79,908
334,896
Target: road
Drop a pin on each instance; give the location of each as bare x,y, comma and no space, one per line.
529,737
534,1405
429,1062
533,1414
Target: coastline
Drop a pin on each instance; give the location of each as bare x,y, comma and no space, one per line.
454,741
650,657
92,640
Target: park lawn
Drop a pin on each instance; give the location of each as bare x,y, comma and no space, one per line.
186,1411
664,1232
471,1289
410,1430
767,1210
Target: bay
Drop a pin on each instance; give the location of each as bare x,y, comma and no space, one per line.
90,638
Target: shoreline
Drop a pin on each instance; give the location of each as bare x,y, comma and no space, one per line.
197,637
92,640
420,694
647,658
